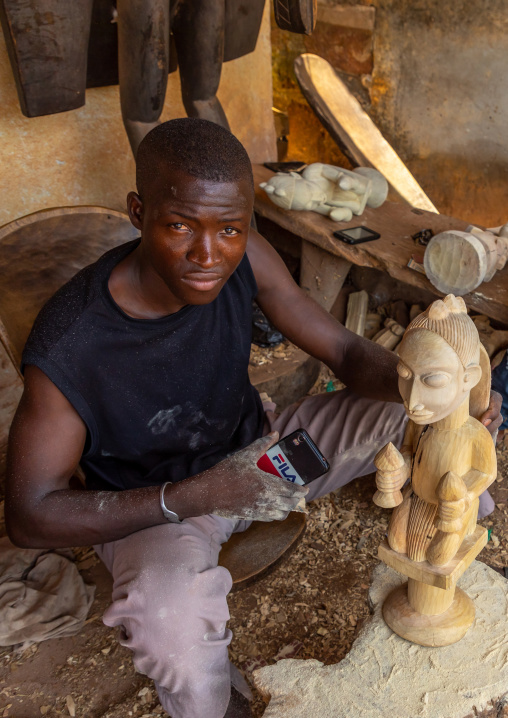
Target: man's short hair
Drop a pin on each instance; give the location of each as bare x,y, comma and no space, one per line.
198,147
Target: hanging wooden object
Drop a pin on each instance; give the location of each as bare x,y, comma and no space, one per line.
47,42
57,48
296,15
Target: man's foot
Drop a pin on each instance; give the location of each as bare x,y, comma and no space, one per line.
239,706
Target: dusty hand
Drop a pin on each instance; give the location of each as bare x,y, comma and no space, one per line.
237,489
492,418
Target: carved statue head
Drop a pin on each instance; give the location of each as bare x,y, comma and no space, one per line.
439,361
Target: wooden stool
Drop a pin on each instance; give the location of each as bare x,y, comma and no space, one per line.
252,553
41,252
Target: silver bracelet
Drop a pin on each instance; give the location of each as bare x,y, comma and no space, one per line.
169,515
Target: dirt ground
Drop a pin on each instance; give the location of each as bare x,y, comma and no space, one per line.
310,606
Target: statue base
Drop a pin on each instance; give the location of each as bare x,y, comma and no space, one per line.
441,629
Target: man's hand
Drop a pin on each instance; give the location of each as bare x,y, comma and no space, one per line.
237,489
492,418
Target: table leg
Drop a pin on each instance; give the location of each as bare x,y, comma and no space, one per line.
322,274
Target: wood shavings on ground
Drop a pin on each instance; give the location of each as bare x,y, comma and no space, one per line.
311,606
266,355
326,381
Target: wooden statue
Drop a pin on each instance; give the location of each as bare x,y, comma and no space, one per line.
329,190
459,262
450,459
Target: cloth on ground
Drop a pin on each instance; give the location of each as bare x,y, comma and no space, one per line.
42,595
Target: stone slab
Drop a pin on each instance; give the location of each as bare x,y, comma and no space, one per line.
384,675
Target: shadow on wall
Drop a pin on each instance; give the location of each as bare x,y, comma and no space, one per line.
463,186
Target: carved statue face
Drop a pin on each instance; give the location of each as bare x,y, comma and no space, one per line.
432,381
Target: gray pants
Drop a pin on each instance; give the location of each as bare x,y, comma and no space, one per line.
169,595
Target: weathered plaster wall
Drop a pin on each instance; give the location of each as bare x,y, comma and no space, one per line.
432,75
83,157
344,37
439,93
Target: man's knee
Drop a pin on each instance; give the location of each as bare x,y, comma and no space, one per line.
175,622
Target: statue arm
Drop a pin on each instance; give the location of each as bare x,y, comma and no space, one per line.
477,481
352,204
455,493
484,465
407,443
331,173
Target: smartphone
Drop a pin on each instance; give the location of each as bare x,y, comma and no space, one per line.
295,458
356,235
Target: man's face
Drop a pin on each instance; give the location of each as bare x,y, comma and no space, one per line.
194,234
432,380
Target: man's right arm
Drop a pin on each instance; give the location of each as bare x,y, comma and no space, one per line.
45,446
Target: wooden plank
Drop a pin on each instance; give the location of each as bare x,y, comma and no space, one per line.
352,129
322,275
439,576
357,312
395,223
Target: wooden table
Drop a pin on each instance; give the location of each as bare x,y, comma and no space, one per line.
326,260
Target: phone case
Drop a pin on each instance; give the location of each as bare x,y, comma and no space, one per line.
295,458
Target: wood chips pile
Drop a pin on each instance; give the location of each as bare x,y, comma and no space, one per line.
310,606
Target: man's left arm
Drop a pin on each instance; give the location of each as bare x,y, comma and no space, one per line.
365,367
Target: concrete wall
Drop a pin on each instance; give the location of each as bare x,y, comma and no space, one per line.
432,75
439,93
83,157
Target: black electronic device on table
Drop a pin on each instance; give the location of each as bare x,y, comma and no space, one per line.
356,235
295,458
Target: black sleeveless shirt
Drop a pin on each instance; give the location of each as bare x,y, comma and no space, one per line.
162,399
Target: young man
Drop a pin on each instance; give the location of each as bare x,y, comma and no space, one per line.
137,369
